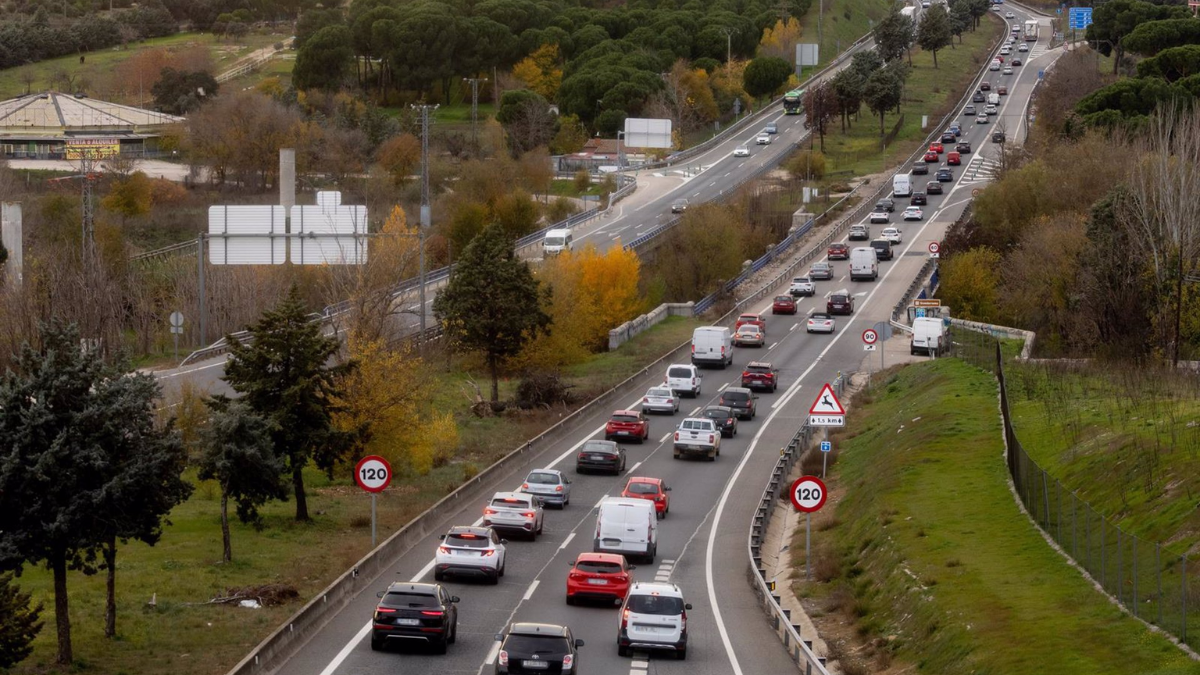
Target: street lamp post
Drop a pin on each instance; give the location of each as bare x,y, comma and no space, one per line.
426,213
620,154
474,106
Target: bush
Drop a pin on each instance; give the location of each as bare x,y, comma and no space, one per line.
583,180
560,209
807,165
542,390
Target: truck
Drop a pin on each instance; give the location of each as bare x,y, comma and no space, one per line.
929,336
697,436
910,12
901,185
1031,31
793,102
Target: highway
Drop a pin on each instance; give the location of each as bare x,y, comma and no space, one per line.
702,542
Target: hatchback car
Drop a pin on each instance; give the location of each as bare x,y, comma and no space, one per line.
839,251
655,489
937,147
1002,90
945,175
920,168
858,231
954,158
1005,50
599,576
1007,71
840,302
1009,15
679,206
913,213
933,188
956,129
821,270
918,198
741,400
892,234
977,97
771,128
516,512
763,139
470,551
416,614
880,217
964,147
752,319
537,648
997,136
948,137
1017,61
802,287
1023,48
723,417
885,204
969,110
760,375
660,400
783,304
931,156
741,151
820,322
985,86
653,617
749,336
631,424
600,456
990,110
549,484
981,119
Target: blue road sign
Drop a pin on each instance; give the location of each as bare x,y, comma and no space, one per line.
1079,18
1041,74
826,446
1058,11
920,313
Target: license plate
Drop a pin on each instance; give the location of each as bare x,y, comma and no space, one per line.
408,622
599,457
536,665
598,582
650,629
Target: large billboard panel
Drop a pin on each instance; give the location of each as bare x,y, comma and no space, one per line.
247,235
329,235
92,148
647,133
806,55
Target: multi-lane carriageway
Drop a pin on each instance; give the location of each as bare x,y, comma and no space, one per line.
702,545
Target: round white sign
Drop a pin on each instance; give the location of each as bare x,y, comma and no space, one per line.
808,494
373,473
934,247
869,336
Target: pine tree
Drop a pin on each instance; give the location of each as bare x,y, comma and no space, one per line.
19,623
935,31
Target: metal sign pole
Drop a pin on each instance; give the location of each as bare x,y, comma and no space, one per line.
808,548
824,455
372,521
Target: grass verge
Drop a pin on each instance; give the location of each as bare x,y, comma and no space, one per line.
184,634
929,560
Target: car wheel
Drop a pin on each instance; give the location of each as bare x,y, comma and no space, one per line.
566,502
712,457
494,580
440,648
663,515
681,654
453,633
376,645
570,600
675,455
622,651
541,524
438,575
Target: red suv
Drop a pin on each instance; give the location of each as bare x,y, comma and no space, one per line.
783,304
839,252
760,375
627,424
653,489
840,303
602,576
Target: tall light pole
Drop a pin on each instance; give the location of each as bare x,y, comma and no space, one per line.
728,42
474,106
426,212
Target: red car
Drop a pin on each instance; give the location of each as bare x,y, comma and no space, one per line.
630,424
953,158
931,156
600,576
653,489
751,320
985,86
760,375
784,304
839,252
937,147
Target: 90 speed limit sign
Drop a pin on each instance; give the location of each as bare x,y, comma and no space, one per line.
808,494
373,473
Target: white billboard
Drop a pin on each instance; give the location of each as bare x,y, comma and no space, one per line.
806,55
329,235
647,133
247,235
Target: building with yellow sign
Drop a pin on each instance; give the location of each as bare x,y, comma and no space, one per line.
52,125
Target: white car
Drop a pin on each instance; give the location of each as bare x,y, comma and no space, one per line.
880,217
995,8
515,512
990,109
1010,15
820,322
1008,70
660,399
1005,50
981,118
741,151
470,551
1023,47
763,139
654,617
549,484
913,213
994,65
802,286
892,234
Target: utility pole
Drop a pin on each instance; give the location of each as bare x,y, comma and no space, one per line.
728,42
474,107
88,208
426,211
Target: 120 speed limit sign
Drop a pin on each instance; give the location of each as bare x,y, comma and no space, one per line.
373,473
808,494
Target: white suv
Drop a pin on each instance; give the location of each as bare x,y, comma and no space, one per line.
802,286
474,551
515,512
654,616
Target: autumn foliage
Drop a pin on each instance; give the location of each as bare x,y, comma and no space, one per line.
541,71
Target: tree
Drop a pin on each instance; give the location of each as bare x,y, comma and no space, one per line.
1152,37
238,453
527,120
19,623
848,86
960,19
180,92
399,156
1128,99
865,63
571,136
765,75
979,9
807,165
969,283
893,35
934,32
541,71
780,40
284,374
312,21
492,304
882,93
1112,21
820,105
129,197
1172,64
325,59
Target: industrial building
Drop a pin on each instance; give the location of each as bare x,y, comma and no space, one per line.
53,125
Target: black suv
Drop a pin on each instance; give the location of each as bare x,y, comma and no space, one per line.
885,204
997,136
422,614
920,168
723,417
963,148
977,97
945,175
540,648
918,199
741,400
883,249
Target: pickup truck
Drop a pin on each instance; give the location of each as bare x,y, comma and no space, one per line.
699,436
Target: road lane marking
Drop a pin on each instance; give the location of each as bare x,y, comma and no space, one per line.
566,541
772,346
635,466
664,438
341,656
794,327
722,387
492,653
532,588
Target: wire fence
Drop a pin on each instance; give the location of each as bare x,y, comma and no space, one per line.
1149,579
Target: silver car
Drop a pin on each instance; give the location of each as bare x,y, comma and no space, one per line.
549,484
660,399
821,270
514,512
741,151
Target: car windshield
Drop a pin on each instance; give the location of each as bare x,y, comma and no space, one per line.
655,604
555,241
717,413
598,567
820,317
679,372
467,541
510,503
664,393
392,599
643,488
624,418
542,478
598,446
736,396
783,298
545,645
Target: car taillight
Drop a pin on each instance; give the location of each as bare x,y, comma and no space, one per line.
710,438
488,554
745,373
582,456
443,549
502,658
568,661
489,512
384,610
529,514
676,435
558,488
430,612
524,486
575,575
683,620
722,349
622,577
625,619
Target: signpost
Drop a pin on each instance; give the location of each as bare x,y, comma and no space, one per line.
869,338
176,328
934,249
827,410
373,474
808,495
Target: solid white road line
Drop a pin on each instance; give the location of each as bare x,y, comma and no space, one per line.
566,541
532,588
722,387
634,467
341,656
693,413
794,327
664,438
772,346
493,653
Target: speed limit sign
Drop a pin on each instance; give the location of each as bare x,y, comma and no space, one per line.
373,473
808,494
870,337
934,248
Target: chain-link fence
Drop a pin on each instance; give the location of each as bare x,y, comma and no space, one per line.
1153,581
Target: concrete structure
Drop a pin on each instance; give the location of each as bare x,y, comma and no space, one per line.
52,125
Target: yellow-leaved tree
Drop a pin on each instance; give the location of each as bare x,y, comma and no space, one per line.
540,71
385,403
781,39
391,256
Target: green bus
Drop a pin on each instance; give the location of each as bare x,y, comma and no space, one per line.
792,102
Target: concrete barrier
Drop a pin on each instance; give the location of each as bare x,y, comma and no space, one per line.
625,332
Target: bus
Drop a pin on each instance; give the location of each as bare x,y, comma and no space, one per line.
1031,31
793,102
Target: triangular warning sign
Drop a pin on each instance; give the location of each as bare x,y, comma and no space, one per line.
827,403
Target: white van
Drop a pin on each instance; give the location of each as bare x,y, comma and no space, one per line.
929,336
628,527
683,379
712,345
901,185
556,242
864,264
993,99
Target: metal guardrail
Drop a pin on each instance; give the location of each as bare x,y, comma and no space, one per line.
164,251
777,485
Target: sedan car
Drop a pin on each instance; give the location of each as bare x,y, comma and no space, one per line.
945,175
655,489
920,168
970,109
913,213
948,137
985,86
467,550
741,400
631,424
933,187
771,128
1009,15
1017,61
763,139
723,417
956,129
820,270
878,217
981,119
931,156
1023,48
760,375
752,319
1007,71
821,322
660,399
599,576
600,456
840,302
409,612
516,512
550,648
918,198
783,304
963,147
937,147
679,206
840,251
1002,90
892,234
749,336
549,484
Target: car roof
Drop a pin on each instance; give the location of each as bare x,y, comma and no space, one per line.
656,481
519,496
759,364
655,587
556,472
471,529
530,628
722,408
588,556
410,587
626,412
